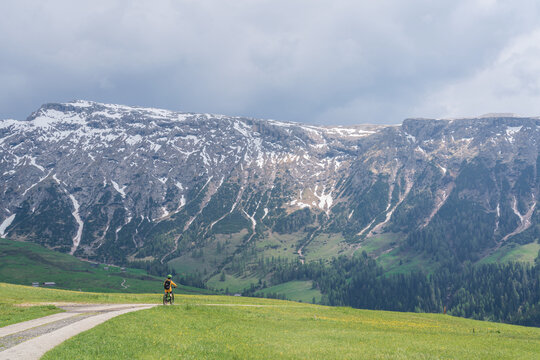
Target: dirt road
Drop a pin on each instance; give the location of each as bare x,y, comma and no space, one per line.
31,339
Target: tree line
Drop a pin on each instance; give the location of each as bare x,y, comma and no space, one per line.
496,292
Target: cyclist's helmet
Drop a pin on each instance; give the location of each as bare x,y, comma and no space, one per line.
169,276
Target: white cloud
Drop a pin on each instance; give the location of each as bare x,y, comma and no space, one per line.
509,85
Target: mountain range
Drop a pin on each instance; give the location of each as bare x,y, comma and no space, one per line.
213,194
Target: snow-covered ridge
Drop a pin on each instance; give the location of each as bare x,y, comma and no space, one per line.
86,118
119,141
349,131
148,164
115,110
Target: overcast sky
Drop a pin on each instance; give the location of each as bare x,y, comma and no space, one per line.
321,62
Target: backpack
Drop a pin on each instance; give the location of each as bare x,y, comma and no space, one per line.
167,284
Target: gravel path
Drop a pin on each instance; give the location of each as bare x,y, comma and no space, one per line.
123,284
15,328
31,339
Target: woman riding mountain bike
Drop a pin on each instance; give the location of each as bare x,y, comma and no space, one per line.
168,284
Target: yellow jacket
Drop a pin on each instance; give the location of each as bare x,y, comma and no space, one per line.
170,287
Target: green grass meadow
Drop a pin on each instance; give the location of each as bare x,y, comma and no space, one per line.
324,247
228,327
234,283
285,330
294,290
514,252
11,314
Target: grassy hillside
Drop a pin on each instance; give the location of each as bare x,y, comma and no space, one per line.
293,290
24,263
514,252
221,327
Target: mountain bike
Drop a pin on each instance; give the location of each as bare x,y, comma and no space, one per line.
168,298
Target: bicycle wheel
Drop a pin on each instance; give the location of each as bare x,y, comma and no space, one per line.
172,298
164,299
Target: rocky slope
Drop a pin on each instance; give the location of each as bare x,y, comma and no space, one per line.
204,191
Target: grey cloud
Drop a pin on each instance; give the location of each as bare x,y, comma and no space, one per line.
337,62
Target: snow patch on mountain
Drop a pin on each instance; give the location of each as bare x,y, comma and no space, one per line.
33,163
34,184
325,199
132,140
352,132
299,204
120,190
524,220
5,224
182,202
75,213
511,130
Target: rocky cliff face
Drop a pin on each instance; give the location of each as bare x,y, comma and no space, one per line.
119,184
